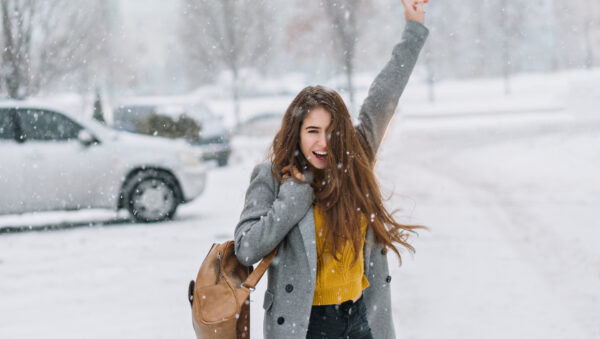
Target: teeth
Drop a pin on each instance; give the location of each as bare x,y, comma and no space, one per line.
320,153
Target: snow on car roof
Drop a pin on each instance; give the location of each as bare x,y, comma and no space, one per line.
62,107
66,108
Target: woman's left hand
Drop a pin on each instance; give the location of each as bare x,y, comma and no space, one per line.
414,11
294,171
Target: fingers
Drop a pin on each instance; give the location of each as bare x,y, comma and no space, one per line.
414,5
420,5
417,6
291,171
285,171
414,11
297,174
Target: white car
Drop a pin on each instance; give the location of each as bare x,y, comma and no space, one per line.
52,160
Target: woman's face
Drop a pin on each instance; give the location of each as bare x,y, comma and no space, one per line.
313,138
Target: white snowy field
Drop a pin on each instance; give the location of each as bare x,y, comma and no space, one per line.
509,191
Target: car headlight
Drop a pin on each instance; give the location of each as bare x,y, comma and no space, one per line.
189,158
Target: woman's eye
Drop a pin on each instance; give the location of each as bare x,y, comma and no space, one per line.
313,131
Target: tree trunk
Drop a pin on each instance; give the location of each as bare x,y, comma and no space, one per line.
236,97
430,73
17,23
505,50
506,67
349,82
589,49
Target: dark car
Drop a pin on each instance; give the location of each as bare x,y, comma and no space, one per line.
214,136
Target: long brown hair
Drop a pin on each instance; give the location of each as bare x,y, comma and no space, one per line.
346,189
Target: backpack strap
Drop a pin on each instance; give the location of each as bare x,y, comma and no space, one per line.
259,271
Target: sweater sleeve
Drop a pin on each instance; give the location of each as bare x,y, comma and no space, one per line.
384,93
268,215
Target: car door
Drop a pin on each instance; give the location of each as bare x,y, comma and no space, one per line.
58,164
11,165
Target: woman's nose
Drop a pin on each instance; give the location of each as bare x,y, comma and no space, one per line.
322,140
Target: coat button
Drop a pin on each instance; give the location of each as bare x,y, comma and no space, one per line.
280,320
388,279
383,251
289,288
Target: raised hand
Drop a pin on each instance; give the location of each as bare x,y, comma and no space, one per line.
413,10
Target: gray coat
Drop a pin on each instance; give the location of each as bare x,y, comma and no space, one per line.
276,214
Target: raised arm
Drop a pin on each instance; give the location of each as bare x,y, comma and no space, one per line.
381,102
268,216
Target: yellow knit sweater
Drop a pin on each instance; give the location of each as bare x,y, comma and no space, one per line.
337,281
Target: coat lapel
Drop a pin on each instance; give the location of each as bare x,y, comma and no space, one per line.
307,229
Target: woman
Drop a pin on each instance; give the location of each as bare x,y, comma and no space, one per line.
318,200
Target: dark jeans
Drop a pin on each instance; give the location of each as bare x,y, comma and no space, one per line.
348,320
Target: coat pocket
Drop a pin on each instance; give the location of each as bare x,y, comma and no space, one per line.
268,301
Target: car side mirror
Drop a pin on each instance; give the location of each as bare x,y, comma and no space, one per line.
86,138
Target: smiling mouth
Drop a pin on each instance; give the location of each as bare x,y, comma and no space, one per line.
320,155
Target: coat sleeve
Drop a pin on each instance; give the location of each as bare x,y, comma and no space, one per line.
268,215
381,102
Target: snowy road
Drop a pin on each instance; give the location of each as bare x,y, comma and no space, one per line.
511,253
512,250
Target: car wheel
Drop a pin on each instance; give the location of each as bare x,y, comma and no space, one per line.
150,196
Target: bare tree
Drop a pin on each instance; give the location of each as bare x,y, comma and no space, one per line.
80,54
511,23
225,34
430,77
441,47
98,113
343,18
478,38
591,25
576,32
506,37
17,28
436,46
47,42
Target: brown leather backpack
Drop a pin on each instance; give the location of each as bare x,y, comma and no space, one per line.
220,295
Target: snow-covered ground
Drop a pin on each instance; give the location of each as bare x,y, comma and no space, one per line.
509,191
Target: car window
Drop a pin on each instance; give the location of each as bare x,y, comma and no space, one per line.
46,125
6,125
127,116
202,112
